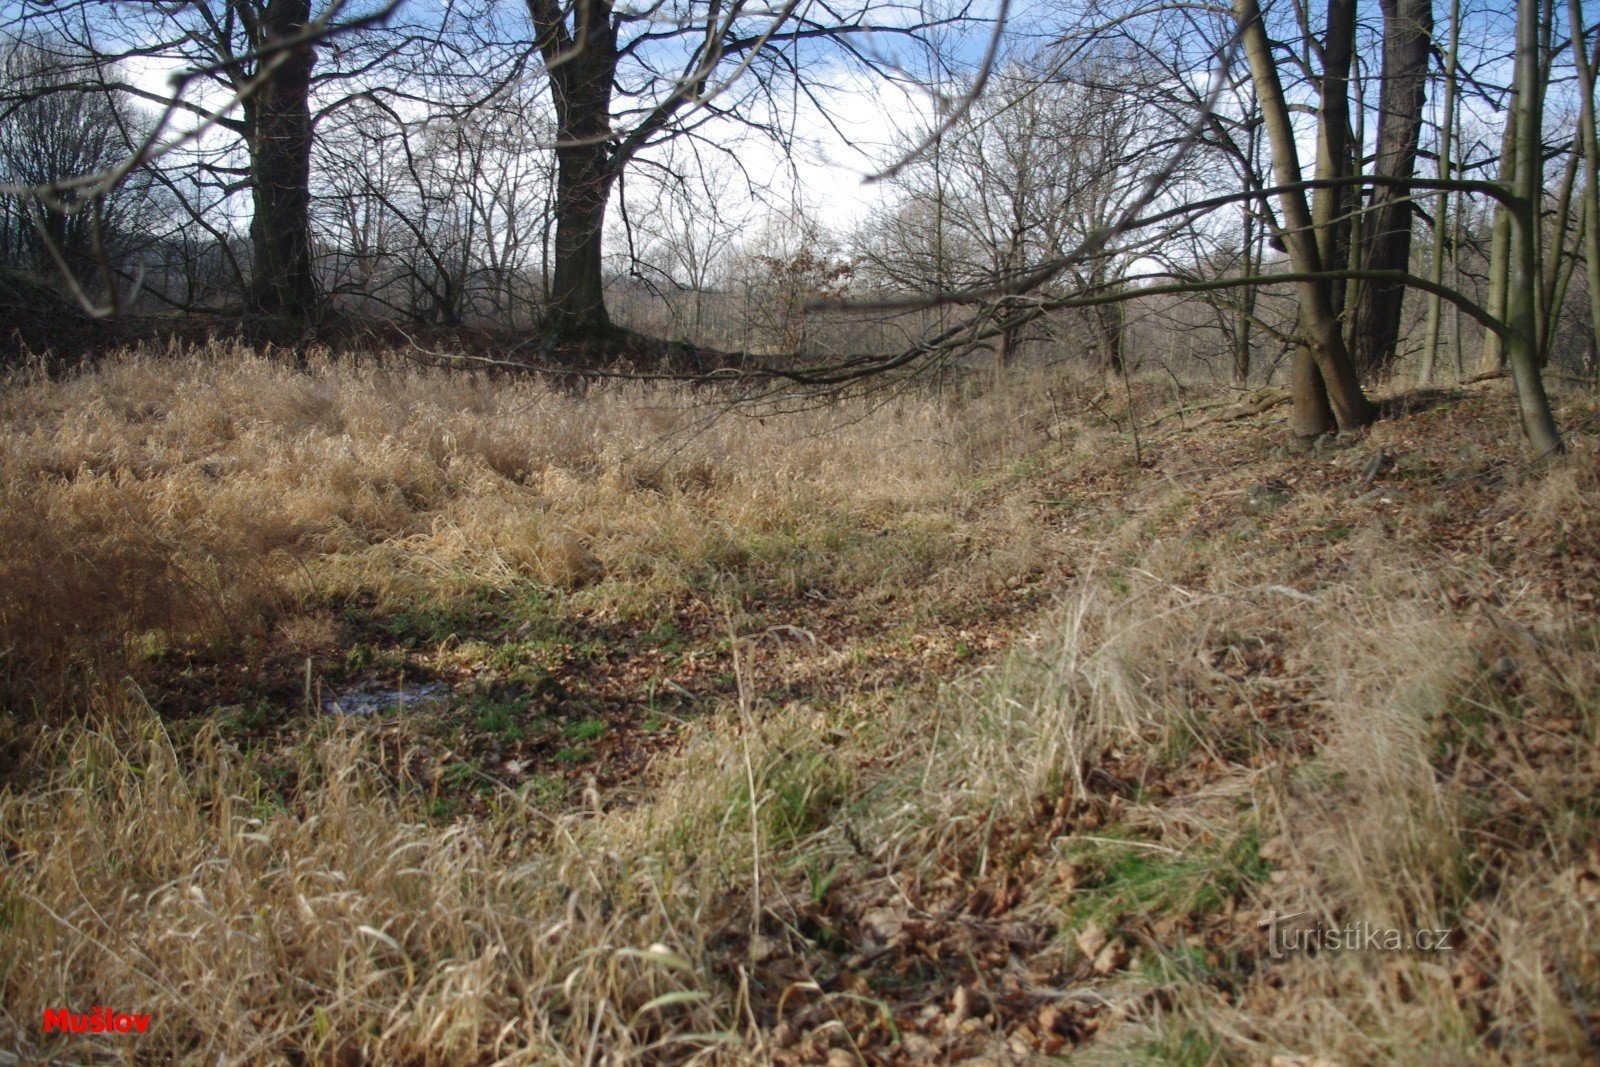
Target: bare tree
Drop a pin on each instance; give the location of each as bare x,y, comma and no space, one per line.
622,80
49,136
1051,153
684,237
1326,390
1307,224
262,72
784,267
439,219
1523,176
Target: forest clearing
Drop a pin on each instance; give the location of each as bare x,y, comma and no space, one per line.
853,533
923,728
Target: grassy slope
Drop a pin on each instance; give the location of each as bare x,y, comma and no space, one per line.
700,791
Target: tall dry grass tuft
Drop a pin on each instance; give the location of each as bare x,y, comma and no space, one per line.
1450,789
1447,784
347,928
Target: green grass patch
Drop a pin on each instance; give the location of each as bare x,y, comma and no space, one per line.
252,717
1184,1046
799,792
458,776
585,730
1123,878
501,718
525,615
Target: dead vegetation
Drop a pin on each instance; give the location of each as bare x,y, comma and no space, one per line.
929,733
195,503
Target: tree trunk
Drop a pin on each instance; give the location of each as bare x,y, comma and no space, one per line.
582,65
1591,172
1441,202
1522,296
1107,322
1109,319
1311,416
1554,257
1330,206
1407,38
1322,344
1008,347
577,291
1494,354
278,120
1240,375
1256,229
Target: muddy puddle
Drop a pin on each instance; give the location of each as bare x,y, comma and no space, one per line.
380,697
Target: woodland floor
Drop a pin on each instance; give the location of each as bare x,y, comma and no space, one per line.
957,730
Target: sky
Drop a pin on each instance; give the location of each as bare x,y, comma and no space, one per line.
831,159
834,154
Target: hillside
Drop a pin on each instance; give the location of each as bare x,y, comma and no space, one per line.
368,713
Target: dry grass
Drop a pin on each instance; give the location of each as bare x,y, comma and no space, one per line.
191,501
1374,712
1450,785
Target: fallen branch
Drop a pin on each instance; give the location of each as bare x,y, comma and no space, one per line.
1255,407
1560,376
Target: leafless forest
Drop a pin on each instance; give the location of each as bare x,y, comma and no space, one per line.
827,532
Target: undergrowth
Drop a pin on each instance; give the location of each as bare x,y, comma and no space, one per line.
874,822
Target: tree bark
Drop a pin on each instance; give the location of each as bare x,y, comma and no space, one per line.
1311,416
1554,257
577,290
1109,320
1257,226
279,131
1375,324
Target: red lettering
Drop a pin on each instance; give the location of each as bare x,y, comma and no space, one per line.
98,1021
